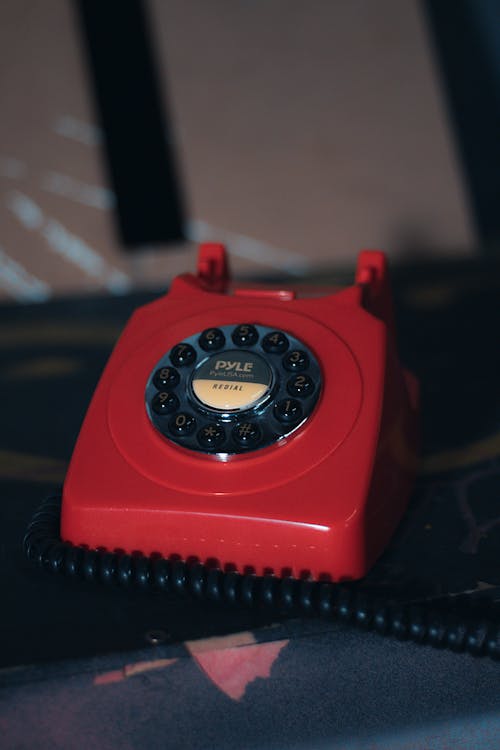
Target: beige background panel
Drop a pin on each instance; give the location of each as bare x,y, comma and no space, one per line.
306,132
56,218
318,127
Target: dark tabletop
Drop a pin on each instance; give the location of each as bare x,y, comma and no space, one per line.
155,672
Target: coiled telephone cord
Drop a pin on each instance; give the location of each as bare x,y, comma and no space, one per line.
438,624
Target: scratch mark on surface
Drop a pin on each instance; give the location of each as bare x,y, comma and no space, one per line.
131,670
77,130
441,295
42,367
147,666
462,458
475,530
26,211
20,283
218,642
26,467
94,196
108,678
68,245
48,332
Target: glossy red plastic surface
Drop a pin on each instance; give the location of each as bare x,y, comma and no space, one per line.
324,502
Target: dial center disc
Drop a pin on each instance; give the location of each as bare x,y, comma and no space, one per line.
232,381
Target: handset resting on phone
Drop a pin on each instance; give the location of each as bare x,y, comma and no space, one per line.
261,430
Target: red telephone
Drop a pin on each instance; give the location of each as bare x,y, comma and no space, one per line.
258,430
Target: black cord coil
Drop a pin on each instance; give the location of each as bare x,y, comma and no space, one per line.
441,624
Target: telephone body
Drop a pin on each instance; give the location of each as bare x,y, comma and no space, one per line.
262,430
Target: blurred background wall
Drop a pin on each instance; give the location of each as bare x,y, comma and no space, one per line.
301,132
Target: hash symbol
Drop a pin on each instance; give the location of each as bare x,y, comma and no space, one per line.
245,429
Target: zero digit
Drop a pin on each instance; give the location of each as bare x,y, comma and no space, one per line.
182,424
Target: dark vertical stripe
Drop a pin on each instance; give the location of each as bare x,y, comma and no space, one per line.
466,34
137,134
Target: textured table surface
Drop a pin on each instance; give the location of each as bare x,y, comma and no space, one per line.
253,679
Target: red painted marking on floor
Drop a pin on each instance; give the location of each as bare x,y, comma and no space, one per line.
233,669
116,675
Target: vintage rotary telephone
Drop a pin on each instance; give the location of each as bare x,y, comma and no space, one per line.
248,445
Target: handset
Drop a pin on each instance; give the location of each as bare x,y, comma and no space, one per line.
263,430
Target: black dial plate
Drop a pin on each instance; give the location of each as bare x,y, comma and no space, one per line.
237,399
